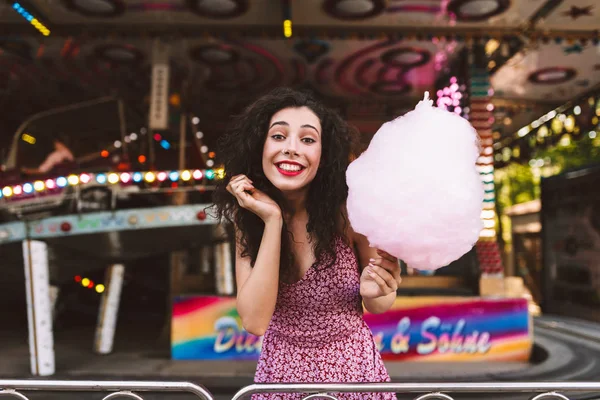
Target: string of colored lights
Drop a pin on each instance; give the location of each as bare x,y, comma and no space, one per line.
110,178
31,19
449,98
207,155
89,284
482,119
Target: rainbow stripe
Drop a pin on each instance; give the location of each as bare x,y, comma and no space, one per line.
415,329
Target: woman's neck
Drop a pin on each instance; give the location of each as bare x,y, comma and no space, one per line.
294,203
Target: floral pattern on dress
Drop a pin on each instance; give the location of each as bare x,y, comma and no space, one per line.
317,332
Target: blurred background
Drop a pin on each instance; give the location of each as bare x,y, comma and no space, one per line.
110,114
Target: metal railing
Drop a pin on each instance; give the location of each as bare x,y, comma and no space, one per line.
127,389
544,390
425,391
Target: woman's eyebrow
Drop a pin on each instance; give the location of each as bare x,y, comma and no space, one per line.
279,123
310,126
283,123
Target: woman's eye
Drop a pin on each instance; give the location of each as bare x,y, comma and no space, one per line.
278,136
309,140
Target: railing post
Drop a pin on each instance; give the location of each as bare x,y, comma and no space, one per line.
39,314
109,309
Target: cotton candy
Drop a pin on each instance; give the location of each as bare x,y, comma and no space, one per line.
415,192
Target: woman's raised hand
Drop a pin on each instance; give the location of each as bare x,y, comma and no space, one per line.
252,199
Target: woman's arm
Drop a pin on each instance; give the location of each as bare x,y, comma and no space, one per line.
380,276
258,285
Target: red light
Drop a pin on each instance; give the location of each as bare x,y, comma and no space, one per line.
18,190
201,215
142,159
104,153
91,285
157,137
211,154
78,278
65,227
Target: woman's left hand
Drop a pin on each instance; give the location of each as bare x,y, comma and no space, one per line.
381,277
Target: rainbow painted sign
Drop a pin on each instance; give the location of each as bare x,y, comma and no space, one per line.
415,328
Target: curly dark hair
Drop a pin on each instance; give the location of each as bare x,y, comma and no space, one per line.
240,150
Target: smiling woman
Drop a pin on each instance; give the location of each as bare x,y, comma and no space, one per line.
292,149
302,273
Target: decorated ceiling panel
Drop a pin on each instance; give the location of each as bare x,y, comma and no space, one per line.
337,68
411,13
573,15
550,72
142,12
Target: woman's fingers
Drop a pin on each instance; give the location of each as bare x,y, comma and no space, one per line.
384,277
234,184
378,280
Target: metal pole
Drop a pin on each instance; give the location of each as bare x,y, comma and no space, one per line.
182,141
11,161
39,314
109,309
99,386
480,387
122,126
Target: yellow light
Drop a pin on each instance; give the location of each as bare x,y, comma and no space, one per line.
487,214
73,180
186,175
491,46
287,28
489,223
491,64
100,288
113,178
565,140
85,282
487,233
28,138
7,191
39,186
220,173
570,123
149,177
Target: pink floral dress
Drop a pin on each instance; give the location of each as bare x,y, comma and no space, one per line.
317,333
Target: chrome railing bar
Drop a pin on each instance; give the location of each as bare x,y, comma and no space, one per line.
99,386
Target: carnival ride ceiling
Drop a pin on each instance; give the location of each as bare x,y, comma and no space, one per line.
372,59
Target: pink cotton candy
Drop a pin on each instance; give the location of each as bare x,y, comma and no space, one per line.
415,192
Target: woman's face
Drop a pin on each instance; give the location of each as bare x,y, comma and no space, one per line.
292,150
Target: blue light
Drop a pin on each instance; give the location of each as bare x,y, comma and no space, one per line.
61,181
28,188
101,178
174,176
137,177
165,145
210,174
